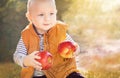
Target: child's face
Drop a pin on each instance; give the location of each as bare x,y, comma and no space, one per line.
43,15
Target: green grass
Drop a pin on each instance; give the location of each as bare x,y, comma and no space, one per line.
102,74
11,70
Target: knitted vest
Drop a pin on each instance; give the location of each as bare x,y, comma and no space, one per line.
61,67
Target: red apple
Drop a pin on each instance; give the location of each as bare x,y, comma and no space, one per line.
46,59
66,49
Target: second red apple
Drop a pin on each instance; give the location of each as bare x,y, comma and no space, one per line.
66,49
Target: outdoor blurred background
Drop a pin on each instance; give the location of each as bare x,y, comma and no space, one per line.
93,24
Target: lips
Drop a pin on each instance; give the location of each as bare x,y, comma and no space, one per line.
46,24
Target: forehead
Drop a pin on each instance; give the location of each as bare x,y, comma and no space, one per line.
40,4
41,1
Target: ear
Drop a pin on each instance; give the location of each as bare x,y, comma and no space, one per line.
28,16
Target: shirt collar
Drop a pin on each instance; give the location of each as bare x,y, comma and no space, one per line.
36,30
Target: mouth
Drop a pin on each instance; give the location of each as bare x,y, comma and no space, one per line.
46,24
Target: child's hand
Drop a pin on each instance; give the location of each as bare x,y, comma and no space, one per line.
29,60
76,53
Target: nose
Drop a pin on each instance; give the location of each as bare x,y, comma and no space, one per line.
47,18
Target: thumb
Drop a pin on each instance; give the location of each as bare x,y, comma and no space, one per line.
35,52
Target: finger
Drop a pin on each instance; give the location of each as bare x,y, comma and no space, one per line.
35,66
35,52
38,68
37,57
37,63
74,54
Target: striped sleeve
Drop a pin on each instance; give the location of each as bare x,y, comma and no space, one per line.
20,53
68,38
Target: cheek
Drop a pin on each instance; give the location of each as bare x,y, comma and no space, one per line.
53,17
39,20
54,21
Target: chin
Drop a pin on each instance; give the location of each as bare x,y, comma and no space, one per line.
47,28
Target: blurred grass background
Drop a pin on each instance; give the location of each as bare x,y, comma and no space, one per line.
94,24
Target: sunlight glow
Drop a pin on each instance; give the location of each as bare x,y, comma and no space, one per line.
108,5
